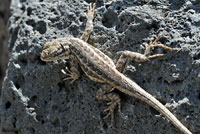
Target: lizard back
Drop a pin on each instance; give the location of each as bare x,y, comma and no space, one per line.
93,62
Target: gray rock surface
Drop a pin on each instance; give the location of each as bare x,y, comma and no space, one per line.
35,100
4,36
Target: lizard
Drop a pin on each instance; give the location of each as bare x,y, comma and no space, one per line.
100,68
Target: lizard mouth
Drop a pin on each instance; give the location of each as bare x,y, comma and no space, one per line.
43,57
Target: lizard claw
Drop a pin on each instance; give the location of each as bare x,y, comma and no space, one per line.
71,75
110,110
91,11
152,44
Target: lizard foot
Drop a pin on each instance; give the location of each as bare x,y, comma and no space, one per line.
73,76
91,11
152,44
111,107
105,93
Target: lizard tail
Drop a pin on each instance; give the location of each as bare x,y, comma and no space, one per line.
132,89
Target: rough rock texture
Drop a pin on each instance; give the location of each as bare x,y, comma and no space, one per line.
4,36
35,100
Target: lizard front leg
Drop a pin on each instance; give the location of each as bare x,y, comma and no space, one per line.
91,12
72,71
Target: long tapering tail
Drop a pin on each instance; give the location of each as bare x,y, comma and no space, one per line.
130,88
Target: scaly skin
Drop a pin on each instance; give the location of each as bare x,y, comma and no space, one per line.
100,68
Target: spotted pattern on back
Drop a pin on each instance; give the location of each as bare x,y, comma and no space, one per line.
93,55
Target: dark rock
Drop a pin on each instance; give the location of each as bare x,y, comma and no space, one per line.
4,36
35,100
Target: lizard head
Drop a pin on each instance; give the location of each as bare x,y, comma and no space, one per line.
55,50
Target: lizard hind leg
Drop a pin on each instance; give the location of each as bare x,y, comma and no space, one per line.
138,57
104,93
